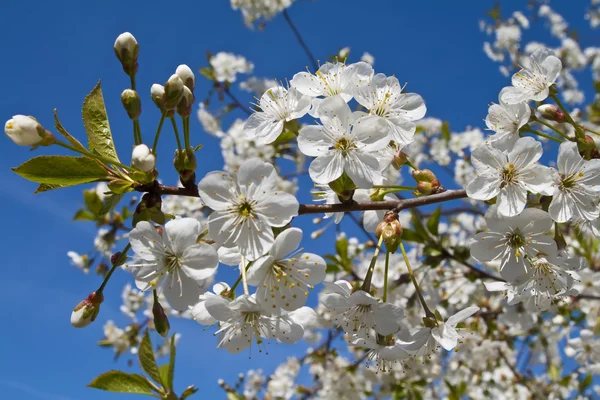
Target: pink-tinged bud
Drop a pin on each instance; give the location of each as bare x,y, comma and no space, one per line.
161,321
132,103
184,108
391,231
142,158
187,76
86,311
551,113
127,49
399,160
115,257
173,92
24,130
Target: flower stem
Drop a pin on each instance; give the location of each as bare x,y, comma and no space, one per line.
92,155
428,312
157,135
578,131
397,188
243,275
300,40
117,262
544,135
176,131
385,274
550,126
591,131
186,131
366,286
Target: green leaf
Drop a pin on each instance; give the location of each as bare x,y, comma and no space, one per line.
61,170
163,370
110,202
92,201
445,131
434,221
44,187
419,227
122,382
190,390
84,215
147,360
409,235
74,142
96,125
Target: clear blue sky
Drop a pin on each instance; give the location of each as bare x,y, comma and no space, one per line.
53,54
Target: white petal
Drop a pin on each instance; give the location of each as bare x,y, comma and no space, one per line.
217,189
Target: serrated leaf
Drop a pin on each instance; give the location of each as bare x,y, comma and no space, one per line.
84,215
61,170
92,201
96,125
74,142
434,221
122,382
147,360
44,187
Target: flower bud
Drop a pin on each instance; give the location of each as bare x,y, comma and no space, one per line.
551,113
132,103
187,76
126,50
173,92
86,311
142,158
157,92
185,163
423,175
427,183
161,322
184,108
391,231
24,130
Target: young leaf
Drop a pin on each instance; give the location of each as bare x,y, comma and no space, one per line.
110,202
122,382
96,125
92,201
190,390
44,187
61,170
74,142
445,131
84,215
147,360
434,221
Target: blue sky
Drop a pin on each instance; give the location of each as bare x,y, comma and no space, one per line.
54,53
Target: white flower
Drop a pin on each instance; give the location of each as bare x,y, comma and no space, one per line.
23,130
506,120
278,106
358,311
576,186
585,348
368,58
226,66
514,241
384,355
258,85
173,261
246,207
283,276
509,176
209,122
142,158
242,320
444,333
199,311
80,261
383,96
333,79
533,83
343,144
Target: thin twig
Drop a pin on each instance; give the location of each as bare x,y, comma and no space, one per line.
301,41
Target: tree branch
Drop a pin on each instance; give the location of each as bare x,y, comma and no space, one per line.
301,41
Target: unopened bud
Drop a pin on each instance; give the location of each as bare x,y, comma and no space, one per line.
586,147
25,131
551,113
423,175
173,92
132,103
161,322
142,158
187,76
86,311
115,257
427,183
399,160
184,108
126,50
185,163
391,231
